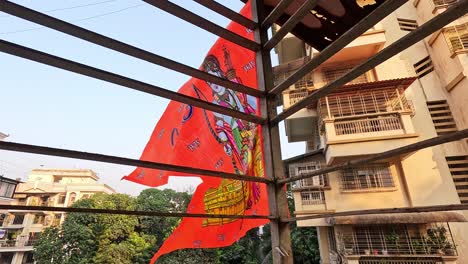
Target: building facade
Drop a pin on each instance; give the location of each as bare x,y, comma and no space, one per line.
44,187
416,95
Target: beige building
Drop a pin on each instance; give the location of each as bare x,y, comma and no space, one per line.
44,187
416,95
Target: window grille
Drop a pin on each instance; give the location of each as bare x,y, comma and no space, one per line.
407,24
369,177
423,67
39,219
304,168
332,74
399,239
442,117
368,125
375,101
332,239
400,260
458,166
457,37
312,197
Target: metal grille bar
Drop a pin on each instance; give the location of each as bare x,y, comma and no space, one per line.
203,23
276,13
101,40
290,23
398,46
11,146
58,62
384,155
362,26
228,13
126,212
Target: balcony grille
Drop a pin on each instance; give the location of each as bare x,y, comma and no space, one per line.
297,95
364,103
457,37
312,197
442,117
444,3
368,125
458,166
398,239
304,168
407,24
374,260
364,178
423,67
330,75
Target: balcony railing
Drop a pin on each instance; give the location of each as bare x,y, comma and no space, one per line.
369,124
398,240
11,243
400,260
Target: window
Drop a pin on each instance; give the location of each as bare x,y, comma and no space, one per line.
458,166
61,199
57,179
423,67
312,197
18,219
332,74
304,168
72,199
331,238
441,117
39,219
374,101
28,258
370,177
407,24
457,37
7,187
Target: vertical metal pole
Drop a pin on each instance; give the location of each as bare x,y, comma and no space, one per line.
277,200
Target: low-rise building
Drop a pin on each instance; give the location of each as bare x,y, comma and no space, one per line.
44,187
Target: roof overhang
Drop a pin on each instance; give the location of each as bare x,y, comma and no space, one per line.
394,83
327,21
402,218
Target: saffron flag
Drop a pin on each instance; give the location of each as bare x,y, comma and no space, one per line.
194,137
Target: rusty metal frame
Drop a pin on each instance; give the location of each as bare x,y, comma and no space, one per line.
275,176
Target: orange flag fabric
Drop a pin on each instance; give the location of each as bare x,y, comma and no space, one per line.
194,137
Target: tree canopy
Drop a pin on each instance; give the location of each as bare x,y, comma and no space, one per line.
122,239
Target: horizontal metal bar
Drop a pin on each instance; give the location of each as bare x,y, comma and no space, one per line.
417,209
349,36
276,13
126,212
101,40
228,13
51,60
66,153
425,30
290,23
384,155
203,23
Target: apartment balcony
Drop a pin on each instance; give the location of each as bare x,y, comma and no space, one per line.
302,125
366,113
15,245
401,243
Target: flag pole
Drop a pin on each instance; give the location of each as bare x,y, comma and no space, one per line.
274,170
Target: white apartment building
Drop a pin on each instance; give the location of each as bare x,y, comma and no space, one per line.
416,95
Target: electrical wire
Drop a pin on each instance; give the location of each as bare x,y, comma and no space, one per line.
70,7
77,20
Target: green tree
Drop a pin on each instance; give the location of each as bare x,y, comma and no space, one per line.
49,248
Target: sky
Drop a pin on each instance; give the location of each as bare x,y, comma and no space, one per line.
42,105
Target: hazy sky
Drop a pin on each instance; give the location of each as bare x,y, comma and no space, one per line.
46,106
